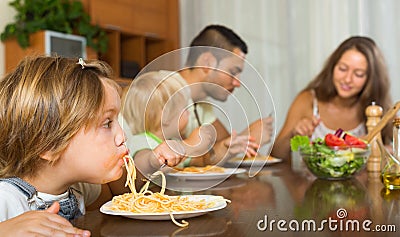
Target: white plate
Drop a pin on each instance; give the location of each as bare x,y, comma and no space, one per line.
208,175
258,161
220,203
200,185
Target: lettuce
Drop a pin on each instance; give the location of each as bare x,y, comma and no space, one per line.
299,141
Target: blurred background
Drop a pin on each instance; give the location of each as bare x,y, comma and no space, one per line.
289,40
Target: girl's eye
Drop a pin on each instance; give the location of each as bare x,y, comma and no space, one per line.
107,123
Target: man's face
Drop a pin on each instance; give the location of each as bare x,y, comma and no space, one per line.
225,78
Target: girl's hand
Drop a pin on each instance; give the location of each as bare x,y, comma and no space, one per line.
40,223
200,141
170,152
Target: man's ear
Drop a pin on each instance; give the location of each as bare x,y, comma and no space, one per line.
207,61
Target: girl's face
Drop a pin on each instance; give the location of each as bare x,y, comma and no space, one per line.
350,73
95,155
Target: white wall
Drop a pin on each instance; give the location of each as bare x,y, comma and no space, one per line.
6,16
289,40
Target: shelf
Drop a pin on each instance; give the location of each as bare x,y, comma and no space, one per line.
139,31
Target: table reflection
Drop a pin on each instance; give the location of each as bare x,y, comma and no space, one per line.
326,198
206,226
391,199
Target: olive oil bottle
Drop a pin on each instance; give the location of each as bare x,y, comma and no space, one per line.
391,163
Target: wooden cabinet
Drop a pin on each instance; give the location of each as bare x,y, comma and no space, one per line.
139,31
14,53
140,17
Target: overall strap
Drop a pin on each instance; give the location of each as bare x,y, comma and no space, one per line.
27,189
69,208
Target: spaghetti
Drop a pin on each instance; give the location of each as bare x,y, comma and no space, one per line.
205,169
258,158
146,201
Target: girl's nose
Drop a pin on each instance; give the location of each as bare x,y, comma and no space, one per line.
120,138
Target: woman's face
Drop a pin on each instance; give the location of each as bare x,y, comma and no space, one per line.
350,73
95,154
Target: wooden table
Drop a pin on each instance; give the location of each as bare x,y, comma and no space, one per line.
284,193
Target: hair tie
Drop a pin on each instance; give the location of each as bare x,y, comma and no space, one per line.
81,62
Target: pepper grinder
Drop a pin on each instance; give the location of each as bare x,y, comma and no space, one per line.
374,114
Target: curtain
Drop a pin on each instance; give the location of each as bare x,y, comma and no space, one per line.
289,40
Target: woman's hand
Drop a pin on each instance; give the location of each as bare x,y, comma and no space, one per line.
306,126
40,223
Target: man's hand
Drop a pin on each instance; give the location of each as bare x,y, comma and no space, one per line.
260,130
236,144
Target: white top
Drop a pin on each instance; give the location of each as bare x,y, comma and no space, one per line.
205,110
321,130
13,202
142,142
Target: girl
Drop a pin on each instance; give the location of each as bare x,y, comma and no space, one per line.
156,117
60,140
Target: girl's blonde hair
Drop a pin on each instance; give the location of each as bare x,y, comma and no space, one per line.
44,102
145,101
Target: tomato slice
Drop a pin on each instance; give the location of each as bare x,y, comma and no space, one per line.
354,141
333,140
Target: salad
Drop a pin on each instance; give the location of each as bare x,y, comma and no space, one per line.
336,156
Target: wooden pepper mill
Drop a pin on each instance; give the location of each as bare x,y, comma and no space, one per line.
374,114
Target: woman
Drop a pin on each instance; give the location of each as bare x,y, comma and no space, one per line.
353,77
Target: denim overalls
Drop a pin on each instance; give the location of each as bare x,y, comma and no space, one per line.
69,208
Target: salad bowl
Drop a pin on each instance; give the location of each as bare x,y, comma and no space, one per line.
341,161
335,162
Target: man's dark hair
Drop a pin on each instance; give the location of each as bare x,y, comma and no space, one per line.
217,36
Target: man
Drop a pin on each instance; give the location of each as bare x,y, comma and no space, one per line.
215,61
